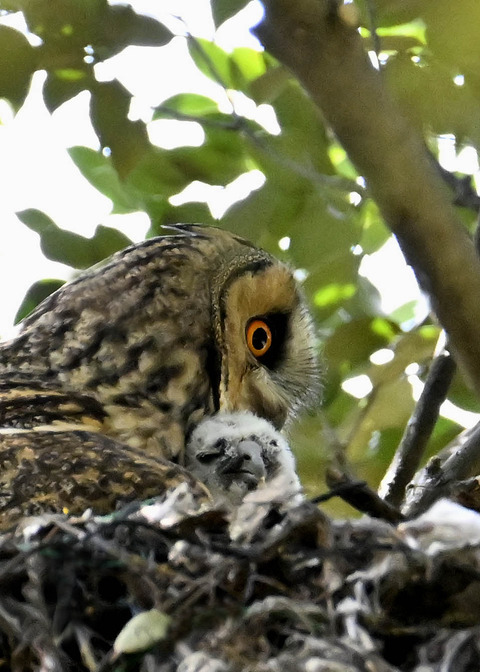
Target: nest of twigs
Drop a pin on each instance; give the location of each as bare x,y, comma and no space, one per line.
269,587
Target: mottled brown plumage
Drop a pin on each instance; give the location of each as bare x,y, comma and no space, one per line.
140,349
73,470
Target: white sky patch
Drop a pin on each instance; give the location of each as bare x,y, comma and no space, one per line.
448,410
382,356
394,279
358,386
170,133
454,159
219,198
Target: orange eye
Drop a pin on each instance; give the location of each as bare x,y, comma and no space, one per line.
259,337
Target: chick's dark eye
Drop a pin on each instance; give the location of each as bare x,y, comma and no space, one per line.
207,458
259,337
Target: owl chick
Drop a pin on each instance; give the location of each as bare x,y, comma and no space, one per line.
234,453
168,331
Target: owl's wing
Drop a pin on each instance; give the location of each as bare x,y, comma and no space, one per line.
72,470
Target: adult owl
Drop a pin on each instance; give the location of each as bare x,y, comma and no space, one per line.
166,332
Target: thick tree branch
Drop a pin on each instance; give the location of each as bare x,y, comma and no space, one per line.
327,56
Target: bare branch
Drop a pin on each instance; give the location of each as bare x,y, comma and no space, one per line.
409,453
441,476
327,56
359,495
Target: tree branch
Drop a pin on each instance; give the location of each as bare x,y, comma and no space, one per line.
409,453
444,472
327,56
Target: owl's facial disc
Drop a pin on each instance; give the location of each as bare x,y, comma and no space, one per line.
268,363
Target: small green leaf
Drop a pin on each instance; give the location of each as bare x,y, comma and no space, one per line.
71,248
62,85
18,61
213,61
250,64
192,104
36,220
142,632
222,10
333,294
127,140
99,171
125,26
35,295
404,313
375,233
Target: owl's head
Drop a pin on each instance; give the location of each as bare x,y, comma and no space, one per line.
265,338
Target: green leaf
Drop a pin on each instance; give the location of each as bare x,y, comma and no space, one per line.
127,140
375,233
212,61
392,12
99,171
71,248
159,176
351,344
124,26
222,10
404,313
35,295
267,87
64,22
191,104
62,85
18,61
333,294
142,632
250,64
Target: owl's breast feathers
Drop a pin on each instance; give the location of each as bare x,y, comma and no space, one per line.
140,349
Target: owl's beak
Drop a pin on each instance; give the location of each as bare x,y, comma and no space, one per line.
247,463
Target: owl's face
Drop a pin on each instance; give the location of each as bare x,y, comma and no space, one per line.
264,339
172,330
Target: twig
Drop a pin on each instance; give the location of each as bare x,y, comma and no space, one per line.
408,456
359,495
372,24
464,193
439,477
